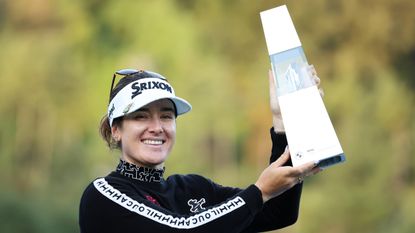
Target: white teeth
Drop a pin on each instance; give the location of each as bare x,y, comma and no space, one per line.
153,142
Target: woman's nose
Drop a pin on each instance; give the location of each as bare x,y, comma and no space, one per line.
156,125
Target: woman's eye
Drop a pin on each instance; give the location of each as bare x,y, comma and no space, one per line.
167,116
138,117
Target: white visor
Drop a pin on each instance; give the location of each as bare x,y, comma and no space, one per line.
141,92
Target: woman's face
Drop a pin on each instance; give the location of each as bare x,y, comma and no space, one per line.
148,134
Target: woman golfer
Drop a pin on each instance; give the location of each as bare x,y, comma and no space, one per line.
137,197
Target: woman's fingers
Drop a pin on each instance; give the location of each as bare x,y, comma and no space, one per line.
271,80
283,158
305,170
315,171
313,73
301,171
317,81
275,108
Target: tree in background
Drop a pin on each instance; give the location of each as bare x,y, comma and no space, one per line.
57,59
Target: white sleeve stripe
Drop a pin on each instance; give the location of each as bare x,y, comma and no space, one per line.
175,222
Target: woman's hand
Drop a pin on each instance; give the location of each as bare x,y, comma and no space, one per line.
275,107
276,178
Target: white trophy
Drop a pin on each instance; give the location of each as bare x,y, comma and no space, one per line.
310,133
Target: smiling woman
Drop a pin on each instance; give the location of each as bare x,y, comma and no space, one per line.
127,97
141,122
148,134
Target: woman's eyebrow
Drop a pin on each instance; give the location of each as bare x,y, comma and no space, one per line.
143,110
167,109
162,109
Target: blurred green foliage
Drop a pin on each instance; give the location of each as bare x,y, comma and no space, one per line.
57,59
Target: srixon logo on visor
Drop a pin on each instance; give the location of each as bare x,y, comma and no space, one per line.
140,87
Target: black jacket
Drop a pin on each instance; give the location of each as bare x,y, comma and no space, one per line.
137,199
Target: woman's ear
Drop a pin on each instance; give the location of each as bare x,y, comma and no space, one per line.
116,133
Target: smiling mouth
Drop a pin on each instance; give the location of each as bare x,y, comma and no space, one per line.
153,142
